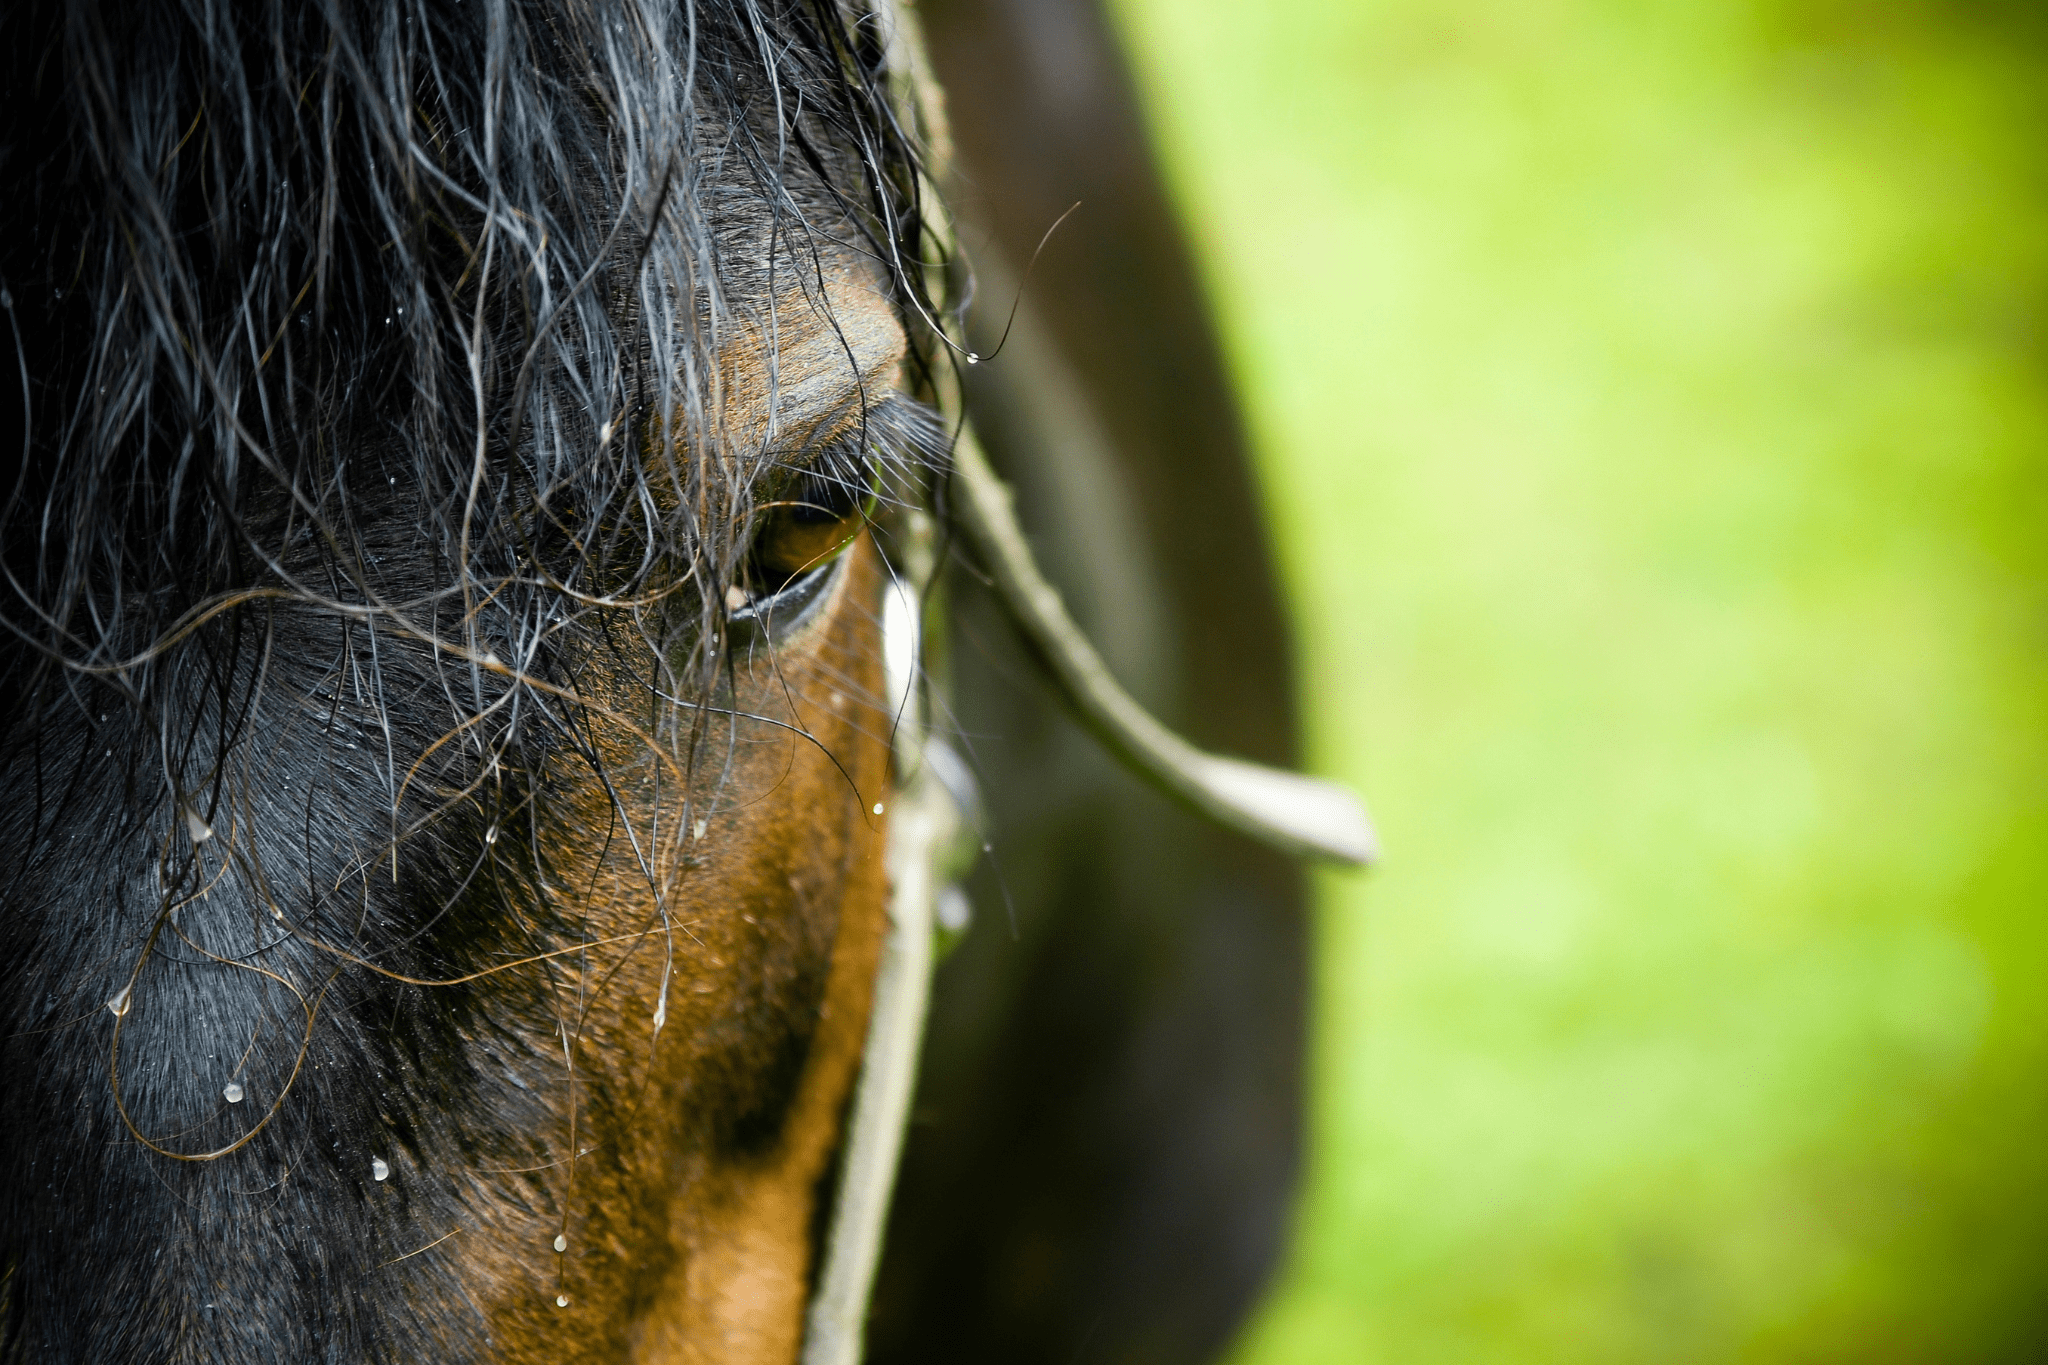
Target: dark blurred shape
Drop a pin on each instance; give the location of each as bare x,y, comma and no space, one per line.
1108,1127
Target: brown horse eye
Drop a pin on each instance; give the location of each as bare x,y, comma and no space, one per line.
801,532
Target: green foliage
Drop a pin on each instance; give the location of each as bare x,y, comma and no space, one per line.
1653,406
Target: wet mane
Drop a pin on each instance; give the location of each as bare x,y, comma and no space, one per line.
475,239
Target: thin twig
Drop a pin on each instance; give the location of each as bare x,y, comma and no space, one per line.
1296,814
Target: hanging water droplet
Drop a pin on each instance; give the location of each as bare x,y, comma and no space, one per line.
561,1242
378,1170
122,998
197,827
878,808
697,830
735,597
973,359
232,1093
604,433
491,835
561,1300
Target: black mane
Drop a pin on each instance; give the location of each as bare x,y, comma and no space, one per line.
361,349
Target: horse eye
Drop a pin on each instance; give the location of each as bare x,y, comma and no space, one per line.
808,526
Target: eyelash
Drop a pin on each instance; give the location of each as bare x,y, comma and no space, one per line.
827,498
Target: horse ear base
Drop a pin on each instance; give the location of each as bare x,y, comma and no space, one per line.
1298,815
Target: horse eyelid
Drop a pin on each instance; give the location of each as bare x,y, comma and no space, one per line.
896,434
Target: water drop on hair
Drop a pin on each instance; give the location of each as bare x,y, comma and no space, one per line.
973,359
378,1170
697,830
491,835
561,1242
604,433
878,808
233,1093
561,1300
122,999
196,827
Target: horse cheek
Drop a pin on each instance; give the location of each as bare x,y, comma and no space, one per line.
803,908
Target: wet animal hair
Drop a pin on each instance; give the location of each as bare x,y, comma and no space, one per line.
365,384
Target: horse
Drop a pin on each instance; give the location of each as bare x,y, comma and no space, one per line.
482,468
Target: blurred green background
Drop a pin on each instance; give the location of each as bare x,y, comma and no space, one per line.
1652,405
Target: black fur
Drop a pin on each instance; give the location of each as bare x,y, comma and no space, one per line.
359,349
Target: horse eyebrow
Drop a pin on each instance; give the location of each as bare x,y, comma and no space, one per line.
799,382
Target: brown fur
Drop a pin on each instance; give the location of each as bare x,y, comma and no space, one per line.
692,1191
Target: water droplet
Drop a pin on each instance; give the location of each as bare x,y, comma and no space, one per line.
561,1300
954,911
973,359
604,433
197,827
735,597
697,830
561,1242
491,660
378,1170
233,1093
878,808
122,999
491,835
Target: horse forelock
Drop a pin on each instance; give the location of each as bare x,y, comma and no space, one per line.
380,487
